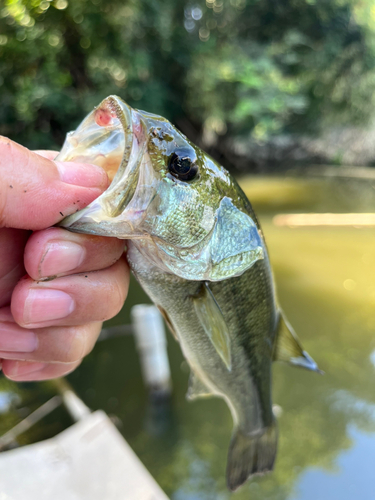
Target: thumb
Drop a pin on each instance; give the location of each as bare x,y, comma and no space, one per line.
36,192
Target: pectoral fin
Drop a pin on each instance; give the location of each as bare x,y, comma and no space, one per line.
288,348
213,322
197,389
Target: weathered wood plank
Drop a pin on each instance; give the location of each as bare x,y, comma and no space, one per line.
90,460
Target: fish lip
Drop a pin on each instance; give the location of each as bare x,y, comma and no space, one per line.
122,189
113,202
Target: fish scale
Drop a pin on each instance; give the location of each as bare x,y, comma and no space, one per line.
198,251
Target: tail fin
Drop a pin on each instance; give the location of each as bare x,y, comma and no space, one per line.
250,455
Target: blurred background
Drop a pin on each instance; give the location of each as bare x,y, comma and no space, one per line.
257,83
271,89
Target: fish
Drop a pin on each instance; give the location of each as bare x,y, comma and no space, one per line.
197,249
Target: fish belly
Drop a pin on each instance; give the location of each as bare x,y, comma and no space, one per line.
246,387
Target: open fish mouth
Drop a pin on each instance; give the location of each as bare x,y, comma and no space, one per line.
191,229
112,136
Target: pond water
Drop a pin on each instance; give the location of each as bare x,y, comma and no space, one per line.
325,278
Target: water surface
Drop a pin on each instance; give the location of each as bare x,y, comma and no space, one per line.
326,285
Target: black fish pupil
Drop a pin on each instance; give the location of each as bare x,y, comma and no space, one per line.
182,164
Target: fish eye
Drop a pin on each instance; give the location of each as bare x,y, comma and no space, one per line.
183,164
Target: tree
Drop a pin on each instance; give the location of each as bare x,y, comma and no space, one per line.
231,68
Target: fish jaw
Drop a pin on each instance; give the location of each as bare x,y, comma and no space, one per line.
114,137
197,230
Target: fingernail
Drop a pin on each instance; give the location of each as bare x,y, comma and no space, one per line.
47,305
21,368
61,257
82,174
13,338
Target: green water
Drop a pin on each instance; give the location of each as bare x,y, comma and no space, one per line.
326,285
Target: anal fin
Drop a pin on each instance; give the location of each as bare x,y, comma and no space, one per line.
287,348
197,389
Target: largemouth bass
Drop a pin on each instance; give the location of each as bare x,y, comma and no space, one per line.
197,249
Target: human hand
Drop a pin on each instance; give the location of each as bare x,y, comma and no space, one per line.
47,327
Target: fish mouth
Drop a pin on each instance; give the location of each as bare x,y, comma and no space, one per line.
112,136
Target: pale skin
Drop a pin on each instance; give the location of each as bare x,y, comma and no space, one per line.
48,327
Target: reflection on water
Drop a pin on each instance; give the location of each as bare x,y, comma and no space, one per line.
353,469
326,285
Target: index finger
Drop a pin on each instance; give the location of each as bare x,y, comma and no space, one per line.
36,193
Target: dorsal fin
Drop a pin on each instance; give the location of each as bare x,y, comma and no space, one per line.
288,348
213,323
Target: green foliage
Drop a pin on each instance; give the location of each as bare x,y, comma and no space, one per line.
216,67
